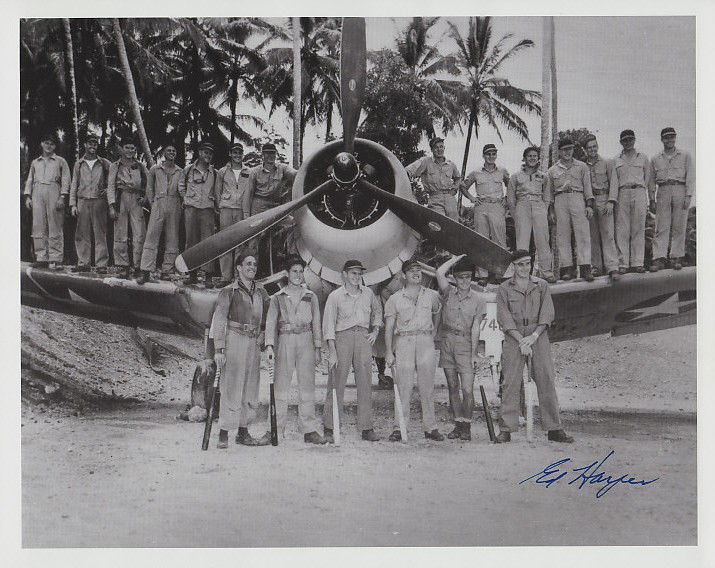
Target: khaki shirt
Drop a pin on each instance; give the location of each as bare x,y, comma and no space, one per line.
228,191
284,310
677,168
576,177
488,183
238,304
163,182
460,313
600,172
343,311
270,186
52,170
633,172
524,311
527,185
126,177
197,188
89,183
436,177
410,315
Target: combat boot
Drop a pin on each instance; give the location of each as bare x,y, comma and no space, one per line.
328,435
559,436
244,438
313,438
434,435
466,434
370,436
586,274
677,263
566,273
222,439
503,437
145,276
657,264
457,432
396,436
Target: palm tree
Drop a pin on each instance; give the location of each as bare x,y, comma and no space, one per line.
485,94
72,88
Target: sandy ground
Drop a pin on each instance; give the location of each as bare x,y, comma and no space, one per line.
105,463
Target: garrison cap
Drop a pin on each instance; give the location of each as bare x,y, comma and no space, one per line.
627,134
435,141
566,143
206,146
463,265
237,146
489,148
269,147
350,264
292,260
409,264
667,131
519,254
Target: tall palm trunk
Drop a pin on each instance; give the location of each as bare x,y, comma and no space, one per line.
472,119
545,92
133,100
297,106
233,97
71,86
554,95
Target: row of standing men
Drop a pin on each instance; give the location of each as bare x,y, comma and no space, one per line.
602,203
122,189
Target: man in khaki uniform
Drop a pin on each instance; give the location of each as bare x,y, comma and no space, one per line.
604,254
462,313
231,184
489,202
524,312
440,179
673,172
162,192
88,201
569,185
48,181
528,199
412,315
631,176
125,190
293,324
196,188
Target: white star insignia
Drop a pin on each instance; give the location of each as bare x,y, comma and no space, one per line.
670,306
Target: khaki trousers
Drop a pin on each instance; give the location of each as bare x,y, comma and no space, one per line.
570,211
353,350
91,218
415,355
630,225
513,366
604,254
670,222
444,203
165,218
199,225
239,381
490,221
130,212
296,352
47,223
228,217
530,215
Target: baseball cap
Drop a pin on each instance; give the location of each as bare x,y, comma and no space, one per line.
409,264
350,264
489,148
667,131
463,265
627,134
565,143
269,147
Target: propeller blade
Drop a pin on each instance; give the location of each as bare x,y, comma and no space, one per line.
238,233
447,233
353,54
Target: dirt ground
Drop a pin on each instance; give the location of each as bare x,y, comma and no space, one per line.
105,463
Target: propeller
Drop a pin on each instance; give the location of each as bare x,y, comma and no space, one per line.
443,230
353,55
231,237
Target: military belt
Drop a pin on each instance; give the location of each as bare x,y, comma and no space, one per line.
244,328
568,191
447,191
603,191
412,333
529,196
631,186
490,199
455,331
361,328
290,328
671,182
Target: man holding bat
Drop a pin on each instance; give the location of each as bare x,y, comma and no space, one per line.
293,324
351,321
412,315
524,312
462,313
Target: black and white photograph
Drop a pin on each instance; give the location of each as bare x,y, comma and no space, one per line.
376,282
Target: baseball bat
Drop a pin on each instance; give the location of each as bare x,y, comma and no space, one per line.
336,419
529,395
210,410
274,418
398,407
487,414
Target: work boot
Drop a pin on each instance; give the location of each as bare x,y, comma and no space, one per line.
615,275
585,270
595,271
40,264
80,268
123,272
136,272
313,438
396,436
101,270
370,436
434,435
384,382
54,266
622,269
559,436
222,439
638,269
457,432
328,435
567,273
165,275
466,434
657,264
192,277
503,437
145,276
244,438
677,263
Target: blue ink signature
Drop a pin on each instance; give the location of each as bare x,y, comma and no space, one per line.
587,474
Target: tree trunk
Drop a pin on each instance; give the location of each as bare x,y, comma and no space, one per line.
472,115
545,92
71,87
554,96
297,106
133,100
233,95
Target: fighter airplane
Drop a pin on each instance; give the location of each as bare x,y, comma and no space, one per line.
353,199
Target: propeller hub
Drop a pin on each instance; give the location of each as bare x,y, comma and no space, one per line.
345,169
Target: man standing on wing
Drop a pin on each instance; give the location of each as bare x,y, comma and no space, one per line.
412,315
462,313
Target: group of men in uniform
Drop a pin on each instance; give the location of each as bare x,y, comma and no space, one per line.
601,204
122,190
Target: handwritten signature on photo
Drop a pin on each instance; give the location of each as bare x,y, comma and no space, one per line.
591,474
